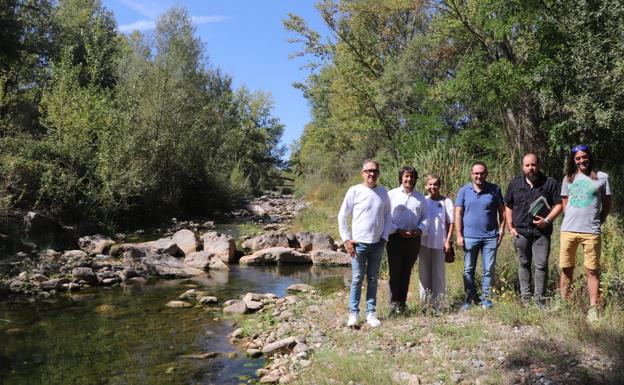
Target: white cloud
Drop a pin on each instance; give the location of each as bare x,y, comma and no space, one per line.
146,25
147,9
141,25
208,19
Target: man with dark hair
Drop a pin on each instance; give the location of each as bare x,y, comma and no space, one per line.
369,208
480,223
409,220
586,195
531,233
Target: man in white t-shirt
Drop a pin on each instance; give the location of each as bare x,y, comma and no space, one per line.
369,207
586,198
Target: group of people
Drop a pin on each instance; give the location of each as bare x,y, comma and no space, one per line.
414,227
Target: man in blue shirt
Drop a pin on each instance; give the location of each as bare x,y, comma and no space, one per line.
480,223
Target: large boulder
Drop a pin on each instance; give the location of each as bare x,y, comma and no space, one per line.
265,241
86,274
330,258
315,241
235,307
161,246
277,346
276,255
155,262
95,244
220,244
205,260
164,265
185,239
43,230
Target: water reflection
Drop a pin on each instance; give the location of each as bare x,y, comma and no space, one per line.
126,335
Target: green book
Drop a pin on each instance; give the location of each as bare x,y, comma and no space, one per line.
539,207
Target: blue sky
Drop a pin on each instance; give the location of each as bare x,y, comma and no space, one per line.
246,39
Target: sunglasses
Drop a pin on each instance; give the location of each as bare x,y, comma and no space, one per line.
580,147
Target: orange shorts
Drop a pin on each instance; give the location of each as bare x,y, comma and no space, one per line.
569,242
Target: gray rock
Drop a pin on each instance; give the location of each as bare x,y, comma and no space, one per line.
315,241
269,379
253,306
95,244
50,256
300,347
73,255
139,250
205,260
222,245
237,333
178,304
86,274
140,281
52,284
238,307
276,346
330,258
165,265
38,277
300,287
110,281
265,241
276,255
126,274
253,297
185,239
207,300
155,262
189,294
254,353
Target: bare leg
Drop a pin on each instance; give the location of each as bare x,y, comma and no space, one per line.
593,286
565,280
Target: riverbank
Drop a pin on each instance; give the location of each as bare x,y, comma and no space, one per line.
508,344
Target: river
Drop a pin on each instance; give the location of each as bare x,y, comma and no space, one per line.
126,335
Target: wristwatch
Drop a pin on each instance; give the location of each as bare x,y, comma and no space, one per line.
546,220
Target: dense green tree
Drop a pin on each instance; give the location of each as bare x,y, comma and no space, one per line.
494,78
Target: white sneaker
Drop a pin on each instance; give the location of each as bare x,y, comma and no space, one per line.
372,320
353,320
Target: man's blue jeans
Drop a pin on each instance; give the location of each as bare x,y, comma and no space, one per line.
472,246
367,261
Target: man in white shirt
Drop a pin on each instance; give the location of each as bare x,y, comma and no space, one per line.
409,220
369,208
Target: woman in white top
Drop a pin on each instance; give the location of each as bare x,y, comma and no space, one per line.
435,242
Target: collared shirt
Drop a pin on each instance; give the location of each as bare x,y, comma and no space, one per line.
370,212
520,195
480,218
408,210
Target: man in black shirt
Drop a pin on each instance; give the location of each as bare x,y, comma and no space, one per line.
532,233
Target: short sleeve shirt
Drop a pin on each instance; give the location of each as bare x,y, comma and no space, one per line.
440,214
520,195
480,210
585,195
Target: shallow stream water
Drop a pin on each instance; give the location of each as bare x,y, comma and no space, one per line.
126,335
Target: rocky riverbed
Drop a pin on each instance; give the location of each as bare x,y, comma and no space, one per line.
189,248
